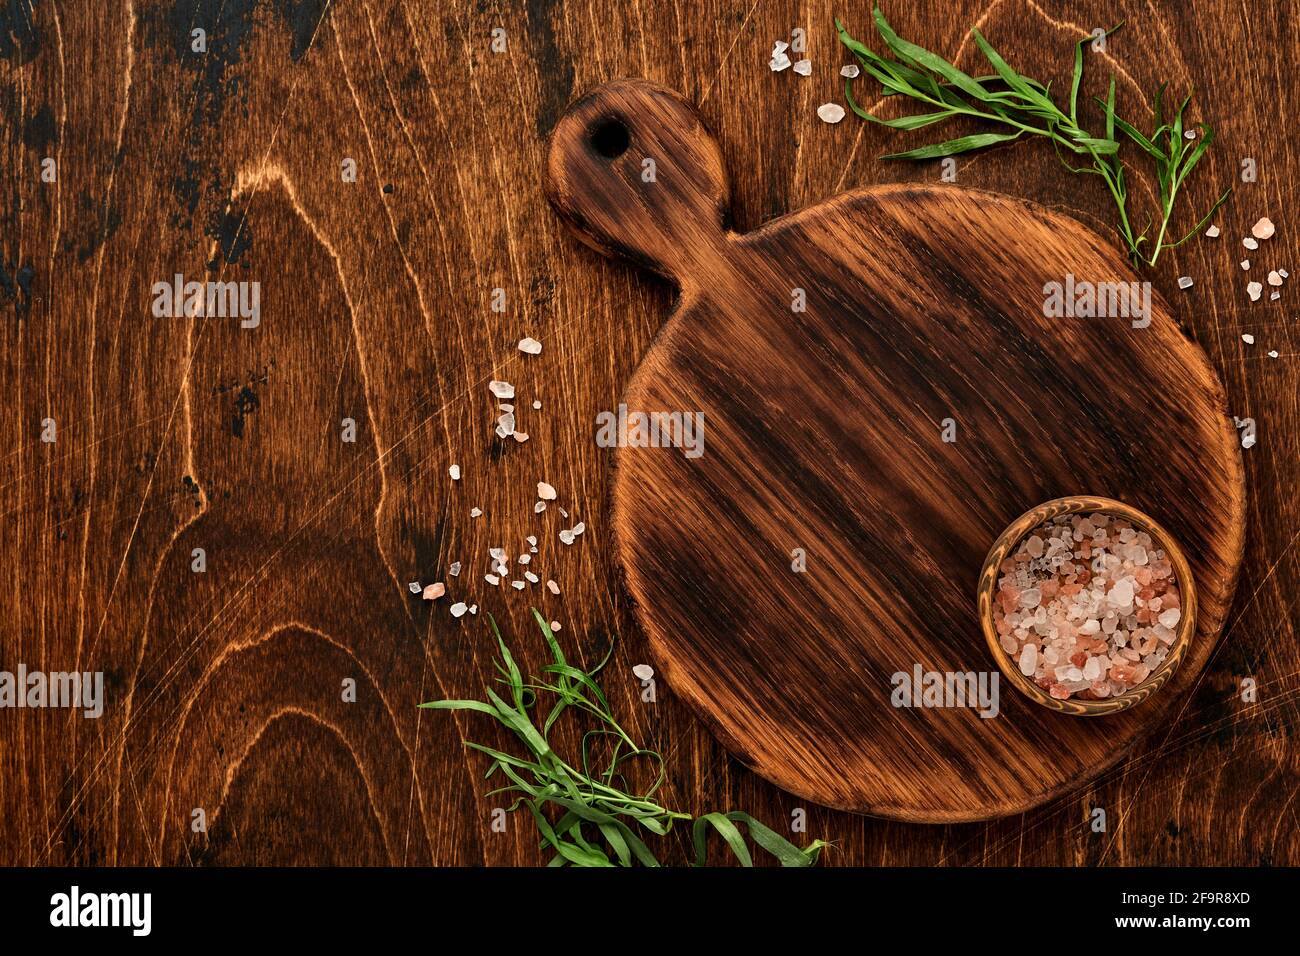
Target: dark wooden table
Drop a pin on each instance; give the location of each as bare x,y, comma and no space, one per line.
225,688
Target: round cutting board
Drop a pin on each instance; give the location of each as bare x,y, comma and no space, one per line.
824,537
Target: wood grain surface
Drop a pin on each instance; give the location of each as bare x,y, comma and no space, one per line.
822,536
223,687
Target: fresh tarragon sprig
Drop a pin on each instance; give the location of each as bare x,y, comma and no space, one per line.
590,815
1024,105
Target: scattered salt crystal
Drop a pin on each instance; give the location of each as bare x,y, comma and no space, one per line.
803,67
555,626
1189,134
1272,354
532,578
566,537
454,471
531,539
475,512
563,513
1253,289
458,609
545,491
1212,232
579,528
434,591
502,389
643,671
525,558
498,554
1275,278
473,609
553,587
1274,296
1248,338
830,112
414,587
1262,229
506,425
521,437
1245,264
536,404
539,507
1283,273
1250,243
1184,282
530,346
780,46
851,71
778,63
492,579
454,570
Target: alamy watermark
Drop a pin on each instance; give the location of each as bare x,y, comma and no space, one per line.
624,429
75,689
1081,299
222,300
946,689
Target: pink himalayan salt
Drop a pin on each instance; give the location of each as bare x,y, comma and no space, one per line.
1079,604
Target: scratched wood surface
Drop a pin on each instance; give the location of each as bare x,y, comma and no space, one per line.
223,688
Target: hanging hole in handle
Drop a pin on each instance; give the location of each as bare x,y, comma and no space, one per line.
610,138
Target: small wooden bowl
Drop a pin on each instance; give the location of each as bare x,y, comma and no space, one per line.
1010,539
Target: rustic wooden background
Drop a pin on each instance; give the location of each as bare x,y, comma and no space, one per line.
175,434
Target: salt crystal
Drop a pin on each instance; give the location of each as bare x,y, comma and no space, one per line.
530,346
851,71
1250,243
1274,296
1184,282
539,507
536,404
1262,229
506,425
414,587
498,554
1212,232
521,437
579,528
1248,338
454,471
531,539
1245,264
475,512
1171,617
545,491
473,609
532,578
458,609
830,112
1275,278
1272,354
553,587
643,671
566,537
1189,134
1028,659
780,46
1254,289
1283,273
502,389
555,626
517,585
1030,597
1034,546
492,579
778,63
434,591
803,67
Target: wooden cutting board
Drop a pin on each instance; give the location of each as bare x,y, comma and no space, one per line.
823,437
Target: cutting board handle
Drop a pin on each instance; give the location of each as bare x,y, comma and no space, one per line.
635,172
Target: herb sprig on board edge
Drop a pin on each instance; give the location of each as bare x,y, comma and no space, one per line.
588,814
1025,106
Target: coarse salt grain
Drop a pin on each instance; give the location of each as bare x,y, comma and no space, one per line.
1275,278
1253,289
1250,243
1262,229
434,591
830,112
1245,263
1248,338
643,671
851,71
454,471
475,512
501,389
552,587
458,609
1184,282
1212,232
530,346
545,491
803,67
